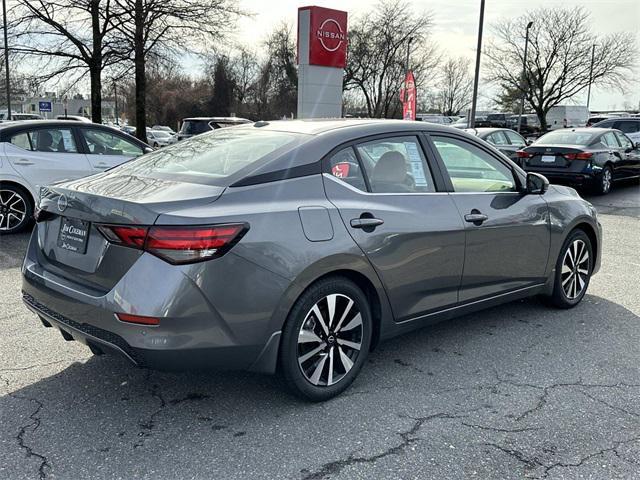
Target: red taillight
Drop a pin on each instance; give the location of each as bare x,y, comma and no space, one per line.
124,235
178,244
523,154
578,156
137,319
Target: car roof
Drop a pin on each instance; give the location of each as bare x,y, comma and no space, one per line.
356,127
218,119
8,128
617,119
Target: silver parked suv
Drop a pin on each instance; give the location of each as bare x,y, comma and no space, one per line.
298,246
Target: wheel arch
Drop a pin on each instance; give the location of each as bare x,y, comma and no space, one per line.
353,267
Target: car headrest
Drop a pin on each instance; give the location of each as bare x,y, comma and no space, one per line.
391,168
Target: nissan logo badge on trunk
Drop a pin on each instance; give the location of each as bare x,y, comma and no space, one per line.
62,203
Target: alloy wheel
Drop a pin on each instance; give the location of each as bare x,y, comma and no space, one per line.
575,269
13,210
606,180
330,339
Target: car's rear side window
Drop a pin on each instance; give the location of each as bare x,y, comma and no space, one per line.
627,126
21,140
344,165
396,165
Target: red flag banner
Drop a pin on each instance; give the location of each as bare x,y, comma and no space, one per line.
408,94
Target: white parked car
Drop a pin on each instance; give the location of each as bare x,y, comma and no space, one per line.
159,138
37,153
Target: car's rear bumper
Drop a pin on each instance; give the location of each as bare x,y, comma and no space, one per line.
193,334
579,179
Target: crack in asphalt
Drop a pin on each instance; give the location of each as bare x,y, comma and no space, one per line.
337,466
30,367
32,427
501,430
146,427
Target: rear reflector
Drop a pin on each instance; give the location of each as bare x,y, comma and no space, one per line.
178,244
137,319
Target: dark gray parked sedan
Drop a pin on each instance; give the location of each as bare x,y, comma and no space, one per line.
298,246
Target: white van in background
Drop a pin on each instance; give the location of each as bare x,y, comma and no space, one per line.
567,116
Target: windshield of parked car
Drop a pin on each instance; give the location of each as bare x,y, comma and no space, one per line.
566,137
212,157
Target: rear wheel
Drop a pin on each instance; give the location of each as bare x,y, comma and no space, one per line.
16,209
573,270
604,181
326,339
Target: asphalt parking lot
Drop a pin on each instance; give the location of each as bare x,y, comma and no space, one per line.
518,391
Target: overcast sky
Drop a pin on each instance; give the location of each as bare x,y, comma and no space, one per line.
456,25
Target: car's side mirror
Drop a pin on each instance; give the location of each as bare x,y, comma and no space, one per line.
537,183
528,141
148,150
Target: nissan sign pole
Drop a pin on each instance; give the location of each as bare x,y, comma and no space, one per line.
322,56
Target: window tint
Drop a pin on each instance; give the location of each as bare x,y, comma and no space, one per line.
344,165
471,169
605,124
609,139
515,139
21,140
195,127
58,140
396,165
624,141
627,126
566,137
106,143
212,157
498,138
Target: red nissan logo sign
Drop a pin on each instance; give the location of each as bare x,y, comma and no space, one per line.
331,35
327,37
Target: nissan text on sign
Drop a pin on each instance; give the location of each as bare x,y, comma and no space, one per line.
322,56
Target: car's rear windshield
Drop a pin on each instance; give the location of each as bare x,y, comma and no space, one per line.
214,157
566,137
195,127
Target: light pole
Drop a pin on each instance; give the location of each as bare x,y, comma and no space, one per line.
6,58
593,56
524,74
474,100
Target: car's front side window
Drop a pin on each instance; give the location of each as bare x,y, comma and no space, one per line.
471,169
628,127
396,165
624,141
106,143
515,139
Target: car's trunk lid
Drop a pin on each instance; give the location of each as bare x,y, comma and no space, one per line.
552,156
107,198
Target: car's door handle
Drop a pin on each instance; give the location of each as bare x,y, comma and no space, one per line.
366,223
23,161
475,217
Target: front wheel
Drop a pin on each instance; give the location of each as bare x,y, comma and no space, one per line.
573,270
326,339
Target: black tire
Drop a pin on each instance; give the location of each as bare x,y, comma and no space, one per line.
604,181
15,203
560,298
332,355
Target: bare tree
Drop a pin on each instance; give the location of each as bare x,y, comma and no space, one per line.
378,44
559,57
456,86
69,38
162,27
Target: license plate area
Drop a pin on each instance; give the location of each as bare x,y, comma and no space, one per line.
548,159
73,235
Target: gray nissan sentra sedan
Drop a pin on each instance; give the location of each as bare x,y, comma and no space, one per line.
298,246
